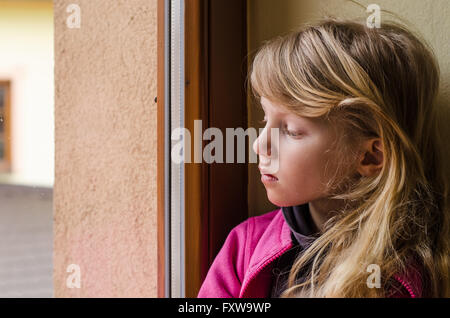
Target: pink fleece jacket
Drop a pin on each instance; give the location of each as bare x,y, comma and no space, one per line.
242,268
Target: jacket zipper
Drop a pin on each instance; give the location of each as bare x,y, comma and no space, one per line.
406,285
261,267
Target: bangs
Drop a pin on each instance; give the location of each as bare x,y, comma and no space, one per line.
282,72
264,74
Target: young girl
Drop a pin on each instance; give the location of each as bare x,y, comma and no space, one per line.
360,186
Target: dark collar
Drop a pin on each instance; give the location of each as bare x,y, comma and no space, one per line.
301,224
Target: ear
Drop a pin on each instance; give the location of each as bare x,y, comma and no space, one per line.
371,161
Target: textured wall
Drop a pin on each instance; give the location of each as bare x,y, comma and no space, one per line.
268,18
105,151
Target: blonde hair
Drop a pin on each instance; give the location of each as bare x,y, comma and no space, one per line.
367,83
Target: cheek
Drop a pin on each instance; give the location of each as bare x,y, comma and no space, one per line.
304,168
302,172
305,171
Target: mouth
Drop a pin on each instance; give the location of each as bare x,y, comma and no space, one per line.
266,177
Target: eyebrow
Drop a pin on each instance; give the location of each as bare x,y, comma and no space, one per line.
287,114
284,112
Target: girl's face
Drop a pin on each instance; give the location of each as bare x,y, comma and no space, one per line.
297,160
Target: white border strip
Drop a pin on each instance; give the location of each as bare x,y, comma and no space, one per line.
167,154
177,170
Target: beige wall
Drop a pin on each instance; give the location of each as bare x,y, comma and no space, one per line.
268,18
105,151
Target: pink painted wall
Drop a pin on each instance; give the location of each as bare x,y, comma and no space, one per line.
105,149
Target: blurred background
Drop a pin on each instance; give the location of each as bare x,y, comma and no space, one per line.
26,148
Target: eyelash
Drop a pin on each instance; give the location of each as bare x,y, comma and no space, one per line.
287,131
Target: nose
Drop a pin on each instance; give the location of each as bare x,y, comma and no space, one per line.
261,145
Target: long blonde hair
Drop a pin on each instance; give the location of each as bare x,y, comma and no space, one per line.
366,83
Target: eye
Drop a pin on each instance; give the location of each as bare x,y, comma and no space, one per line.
292,133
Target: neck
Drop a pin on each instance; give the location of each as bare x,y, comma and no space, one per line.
322,209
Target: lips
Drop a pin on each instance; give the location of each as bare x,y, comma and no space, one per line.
267,176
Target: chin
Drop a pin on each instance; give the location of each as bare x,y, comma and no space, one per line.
285,203
277,201
274,202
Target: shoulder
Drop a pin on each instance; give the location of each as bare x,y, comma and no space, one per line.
256,236
228,270
255,226
261,223
243,237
